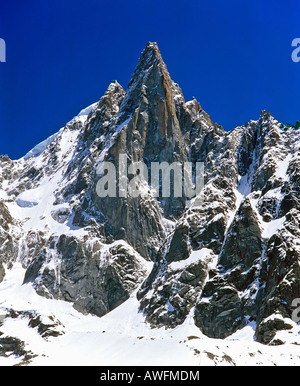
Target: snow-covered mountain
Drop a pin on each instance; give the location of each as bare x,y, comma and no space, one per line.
149,280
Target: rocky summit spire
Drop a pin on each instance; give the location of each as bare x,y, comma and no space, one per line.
150,57
150,79
149,114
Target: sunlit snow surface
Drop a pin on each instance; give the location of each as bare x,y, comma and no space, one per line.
122,337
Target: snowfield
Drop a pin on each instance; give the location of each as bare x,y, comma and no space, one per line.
122,337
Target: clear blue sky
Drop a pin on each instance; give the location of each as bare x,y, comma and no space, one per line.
234,57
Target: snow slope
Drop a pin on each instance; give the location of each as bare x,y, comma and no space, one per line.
122,337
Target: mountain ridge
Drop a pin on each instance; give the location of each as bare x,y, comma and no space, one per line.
229,262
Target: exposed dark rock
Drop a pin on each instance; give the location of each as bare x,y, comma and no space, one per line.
222,315
266,331
168,299
95,277
243,241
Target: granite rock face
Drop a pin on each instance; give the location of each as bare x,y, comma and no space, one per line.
226,258
96,278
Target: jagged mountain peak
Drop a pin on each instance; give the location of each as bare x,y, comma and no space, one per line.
150,56
105,114
150,80
114,86
151,51
265,114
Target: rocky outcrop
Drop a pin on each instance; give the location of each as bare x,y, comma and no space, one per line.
171,290
96,278
243,244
